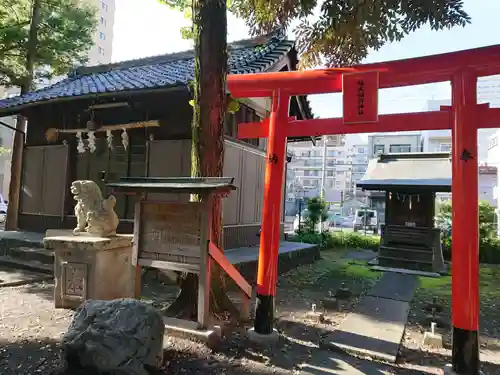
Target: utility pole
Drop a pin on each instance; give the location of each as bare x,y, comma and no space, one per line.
16,167
323,169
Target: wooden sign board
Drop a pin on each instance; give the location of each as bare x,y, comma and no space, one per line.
171,235
360,97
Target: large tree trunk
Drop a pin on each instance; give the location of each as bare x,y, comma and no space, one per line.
16,165
207,155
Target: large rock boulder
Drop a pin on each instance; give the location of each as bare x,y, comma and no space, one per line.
118,337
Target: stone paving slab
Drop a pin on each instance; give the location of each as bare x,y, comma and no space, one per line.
251,253
326,363
375,329
395,286
15,277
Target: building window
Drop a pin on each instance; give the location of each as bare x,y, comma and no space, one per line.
399,148
103,21
307,182
306,173
329,173
102,36
361,150
445,147
378,149
331,153
101,50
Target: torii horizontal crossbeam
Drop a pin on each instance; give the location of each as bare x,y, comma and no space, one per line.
484,61
437,120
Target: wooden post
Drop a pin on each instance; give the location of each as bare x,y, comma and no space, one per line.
205,274
135,249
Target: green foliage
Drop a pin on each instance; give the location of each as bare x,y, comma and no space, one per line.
317,212
345,31
181,5
489,243
64,38
329,240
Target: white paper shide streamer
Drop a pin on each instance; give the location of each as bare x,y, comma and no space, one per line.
125,139
109,139
91,138
80,146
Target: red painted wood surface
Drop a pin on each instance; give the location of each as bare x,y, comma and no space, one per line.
436,120
465,236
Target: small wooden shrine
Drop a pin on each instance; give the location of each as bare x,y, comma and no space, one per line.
410,182
176,235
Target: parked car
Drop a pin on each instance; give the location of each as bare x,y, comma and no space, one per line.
3,209
366,219
348,222
335,219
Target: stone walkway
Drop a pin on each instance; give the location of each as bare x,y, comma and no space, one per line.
377,326
251,253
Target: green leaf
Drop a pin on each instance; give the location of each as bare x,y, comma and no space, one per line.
187,33
176,4
65,36
233,106
345,31
191,103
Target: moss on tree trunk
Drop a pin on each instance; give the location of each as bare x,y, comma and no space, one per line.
207,152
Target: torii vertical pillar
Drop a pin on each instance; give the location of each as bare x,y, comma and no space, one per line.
271,219
465,220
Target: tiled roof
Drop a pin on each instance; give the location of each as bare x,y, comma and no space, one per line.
247,56
432,170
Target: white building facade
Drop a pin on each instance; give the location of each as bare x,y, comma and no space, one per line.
385,143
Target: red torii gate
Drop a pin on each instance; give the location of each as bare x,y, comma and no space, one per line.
464,117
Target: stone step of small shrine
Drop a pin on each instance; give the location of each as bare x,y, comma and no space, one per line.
24,250
404,263
416,254
409,257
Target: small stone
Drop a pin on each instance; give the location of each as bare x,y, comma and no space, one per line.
433,340
122,336
315,316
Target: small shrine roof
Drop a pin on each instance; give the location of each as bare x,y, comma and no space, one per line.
429,171
188,185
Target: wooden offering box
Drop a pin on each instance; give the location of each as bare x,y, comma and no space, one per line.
174,235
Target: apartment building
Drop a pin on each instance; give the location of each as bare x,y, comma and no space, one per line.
102,50
440,140
359,157
100,53
304,171
384,143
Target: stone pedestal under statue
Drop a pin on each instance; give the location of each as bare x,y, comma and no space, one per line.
87,266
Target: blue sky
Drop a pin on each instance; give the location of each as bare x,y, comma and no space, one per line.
145,28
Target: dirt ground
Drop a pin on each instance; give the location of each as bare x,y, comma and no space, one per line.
438,291
30,328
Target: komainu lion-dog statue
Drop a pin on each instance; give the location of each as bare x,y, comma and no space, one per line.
94,214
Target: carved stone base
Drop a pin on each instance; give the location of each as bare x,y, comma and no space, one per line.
88,267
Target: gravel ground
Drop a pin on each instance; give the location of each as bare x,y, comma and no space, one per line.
30,329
